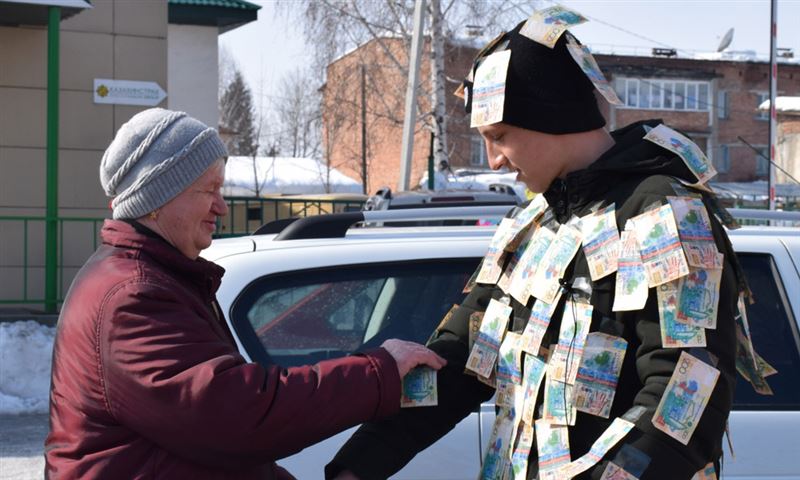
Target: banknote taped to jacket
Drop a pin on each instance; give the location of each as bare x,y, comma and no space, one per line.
598,373
694,229
522,277
601,242
660,245
685,398
556,259
484,353
690,153
675,334
630,286
509,369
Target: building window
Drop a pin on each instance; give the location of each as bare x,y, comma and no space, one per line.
762,97
654,94
722,104
762,162
722,160
477,153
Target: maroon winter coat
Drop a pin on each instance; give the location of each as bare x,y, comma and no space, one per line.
147,381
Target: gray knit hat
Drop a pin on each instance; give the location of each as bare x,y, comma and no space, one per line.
154,157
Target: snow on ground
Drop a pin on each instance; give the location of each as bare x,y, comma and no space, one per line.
25,351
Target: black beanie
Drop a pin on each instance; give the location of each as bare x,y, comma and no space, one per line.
546,90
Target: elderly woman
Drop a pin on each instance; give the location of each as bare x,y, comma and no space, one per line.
147,381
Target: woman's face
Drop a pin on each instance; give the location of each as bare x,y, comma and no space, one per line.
188,220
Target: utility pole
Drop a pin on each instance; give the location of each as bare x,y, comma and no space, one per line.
364,128
407,149
773,89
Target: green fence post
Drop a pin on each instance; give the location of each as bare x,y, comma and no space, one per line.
51,225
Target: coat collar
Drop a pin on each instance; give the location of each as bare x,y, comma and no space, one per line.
630,156
206,275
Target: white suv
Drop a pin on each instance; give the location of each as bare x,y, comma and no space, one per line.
320,289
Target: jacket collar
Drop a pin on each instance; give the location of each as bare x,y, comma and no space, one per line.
133,235
630,155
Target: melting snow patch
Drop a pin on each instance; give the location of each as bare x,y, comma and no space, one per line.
25,352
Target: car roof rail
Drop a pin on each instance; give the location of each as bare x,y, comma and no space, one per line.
335,225
758,214
275,226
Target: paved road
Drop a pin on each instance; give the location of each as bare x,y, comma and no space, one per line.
21,446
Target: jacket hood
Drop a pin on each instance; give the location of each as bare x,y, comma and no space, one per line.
631,155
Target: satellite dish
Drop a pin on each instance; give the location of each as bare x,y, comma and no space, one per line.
726,40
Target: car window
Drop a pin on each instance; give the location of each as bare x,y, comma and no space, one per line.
303,317
775,338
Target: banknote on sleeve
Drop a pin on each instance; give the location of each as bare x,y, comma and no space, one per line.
692,156
660,246
419,388
547,25
484,352
685,398
631,286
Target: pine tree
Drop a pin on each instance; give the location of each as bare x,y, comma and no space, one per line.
236,109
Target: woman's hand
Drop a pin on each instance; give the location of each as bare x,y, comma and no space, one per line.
409,355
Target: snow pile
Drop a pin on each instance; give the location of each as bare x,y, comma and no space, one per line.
284,175
25,353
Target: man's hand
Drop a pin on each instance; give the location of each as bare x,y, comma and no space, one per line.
409,355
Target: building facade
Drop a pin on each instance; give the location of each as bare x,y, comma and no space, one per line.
172,43
714,101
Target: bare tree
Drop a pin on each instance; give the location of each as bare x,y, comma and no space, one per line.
297,109
338,26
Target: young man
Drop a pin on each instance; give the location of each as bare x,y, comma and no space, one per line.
616,352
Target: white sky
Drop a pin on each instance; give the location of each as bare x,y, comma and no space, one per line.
270,47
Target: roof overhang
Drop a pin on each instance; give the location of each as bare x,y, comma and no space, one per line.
34,12
223,14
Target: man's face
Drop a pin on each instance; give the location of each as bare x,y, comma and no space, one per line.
188,220
535,156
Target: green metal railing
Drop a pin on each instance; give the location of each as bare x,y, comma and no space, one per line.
246,214
23,234
24,254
